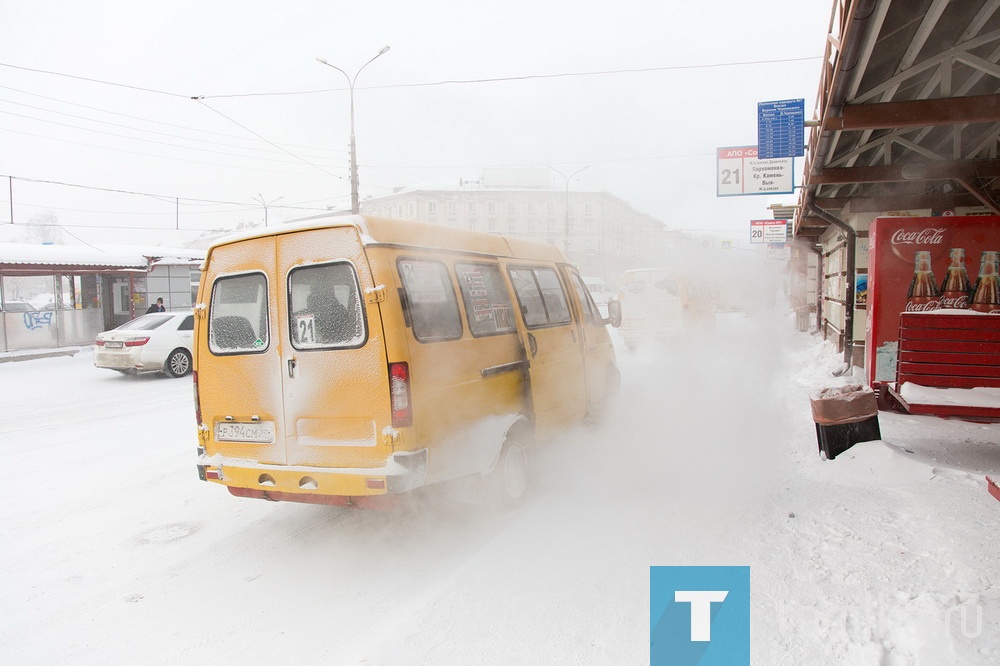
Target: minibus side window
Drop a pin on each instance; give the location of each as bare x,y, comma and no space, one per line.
487,303
430,300
324,307
237,321
540,295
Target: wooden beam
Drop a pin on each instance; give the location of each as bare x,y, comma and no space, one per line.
917,113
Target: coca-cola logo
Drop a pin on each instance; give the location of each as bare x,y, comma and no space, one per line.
957,303
922,307
923,237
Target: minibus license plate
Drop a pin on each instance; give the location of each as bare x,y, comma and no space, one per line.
231,431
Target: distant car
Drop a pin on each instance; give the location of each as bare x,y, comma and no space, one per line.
157,342
18,306
661,304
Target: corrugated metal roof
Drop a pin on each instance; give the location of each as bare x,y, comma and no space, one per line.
21,254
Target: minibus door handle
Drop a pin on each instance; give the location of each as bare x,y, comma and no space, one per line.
533,345
291,367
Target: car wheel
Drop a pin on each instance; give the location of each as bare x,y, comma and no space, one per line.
507,482
178,363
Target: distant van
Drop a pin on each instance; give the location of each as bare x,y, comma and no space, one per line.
661,304
340,360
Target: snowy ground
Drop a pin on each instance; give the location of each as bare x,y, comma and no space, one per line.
113,551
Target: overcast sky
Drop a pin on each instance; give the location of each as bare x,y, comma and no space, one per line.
98,94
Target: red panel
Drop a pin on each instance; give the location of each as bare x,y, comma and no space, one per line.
363,502
950,321
992,486
909,355
971,335
950,370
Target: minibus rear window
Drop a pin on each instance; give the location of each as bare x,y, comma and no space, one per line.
430,300
324,307
487,303
237,321
541,296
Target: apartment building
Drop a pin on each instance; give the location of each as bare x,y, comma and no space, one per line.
599,232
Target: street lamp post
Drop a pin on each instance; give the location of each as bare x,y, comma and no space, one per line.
566,206
355,206
265,204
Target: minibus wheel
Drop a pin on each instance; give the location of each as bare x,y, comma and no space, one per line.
507,483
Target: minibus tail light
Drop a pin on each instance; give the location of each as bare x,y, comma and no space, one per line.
197,400
399,393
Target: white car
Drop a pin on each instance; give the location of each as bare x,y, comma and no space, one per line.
156,342
18,306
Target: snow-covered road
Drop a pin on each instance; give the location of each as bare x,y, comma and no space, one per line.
113,551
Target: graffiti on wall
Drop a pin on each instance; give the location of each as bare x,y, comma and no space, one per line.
36,320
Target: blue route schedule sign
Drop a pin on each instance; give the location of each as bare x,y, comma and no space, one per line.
781,128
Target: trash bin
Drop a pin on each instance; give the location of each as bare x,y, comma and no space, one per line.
844,416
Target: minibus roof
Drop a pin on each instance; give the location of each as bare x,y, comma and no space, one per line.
387,231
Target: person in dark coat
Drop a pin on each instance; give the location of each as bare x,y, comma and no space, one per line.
156,307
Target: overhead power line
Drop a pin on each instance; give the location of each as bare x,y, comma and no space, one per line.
528,77
145,120
159,197
90,80
525,77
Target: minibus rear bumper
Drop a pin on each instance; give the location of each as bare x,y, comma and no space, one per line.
403,471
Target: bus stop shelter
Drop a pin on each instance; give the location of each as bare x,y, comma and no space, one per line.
57,296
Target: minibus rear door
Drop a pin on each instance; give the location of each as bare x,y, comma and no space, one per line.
335,379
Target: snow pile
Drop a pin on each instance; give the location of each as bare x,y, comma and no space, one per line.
981,396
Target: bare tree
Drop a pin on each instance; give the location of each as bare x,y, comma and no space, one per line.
43,229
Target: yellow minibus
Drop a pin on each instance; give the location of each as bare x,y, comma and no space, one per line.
346,359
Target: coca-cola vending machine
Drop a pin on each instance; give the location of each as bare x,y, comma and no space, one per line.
922,264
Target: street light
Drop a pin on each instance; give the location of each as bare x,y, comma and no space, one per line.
265,204
566,206
355,208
